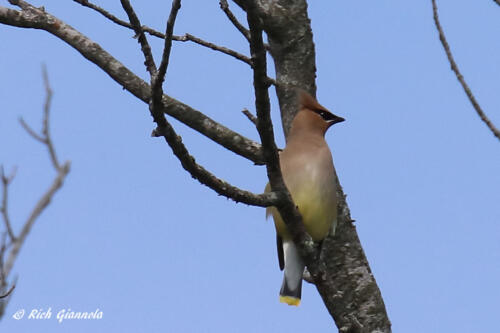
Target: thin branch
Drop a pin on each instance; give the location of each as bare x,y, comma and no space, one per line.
6,180
42,203
459,75
136,25
497,2
250,116
115,19
45,138
286,207
185,38
30,131
159,77
57,183
46,119
225,8
239,56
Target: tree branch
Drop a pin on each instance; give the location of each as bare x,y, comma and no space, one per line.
185,38
136,25
225,8
38,19
286,207
6,180
12,249
250,116
345,282
30,131
42,203
232,53
62,171
459,75
174,141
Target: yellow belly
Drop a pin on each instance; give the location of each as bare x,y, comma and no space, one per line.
318,213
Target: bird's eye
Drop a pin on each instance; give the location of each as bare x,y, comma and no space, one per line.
325,115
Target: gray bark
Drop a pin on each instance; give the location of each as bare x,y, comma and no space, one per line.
348,286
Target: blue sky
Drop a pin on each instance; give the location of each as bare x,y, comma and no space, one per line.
132,234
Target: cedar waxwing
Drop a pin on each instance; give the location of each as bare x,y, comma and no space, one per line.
307,168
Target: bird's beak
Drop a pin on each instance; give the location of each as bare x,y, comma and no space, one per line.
334,120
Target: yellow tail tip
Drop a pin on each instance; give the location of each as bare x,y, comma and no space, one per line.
290,300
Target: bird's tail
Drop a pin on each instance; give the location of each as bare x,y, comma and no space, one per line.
291,289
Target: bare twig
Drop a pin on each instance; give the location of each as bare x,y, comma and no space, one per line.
43,202
113,18
45,138
46,120
239,56
250,116
30,131
459,75
185,38
225,8
6,180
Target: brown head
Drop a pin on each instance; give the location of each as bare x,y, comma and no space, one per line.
312,116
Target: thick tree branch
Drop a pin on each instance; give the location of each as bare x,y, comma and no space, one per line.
38,19
459,75
291,45
497,2
346,283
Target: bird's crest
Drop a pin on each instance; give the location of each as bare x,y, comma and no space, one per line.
308,102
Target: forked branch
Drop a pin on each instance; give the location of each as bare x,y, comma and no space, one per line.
10,248
164,128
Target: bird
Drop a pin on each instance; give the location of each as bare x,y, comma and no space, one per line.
308,172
